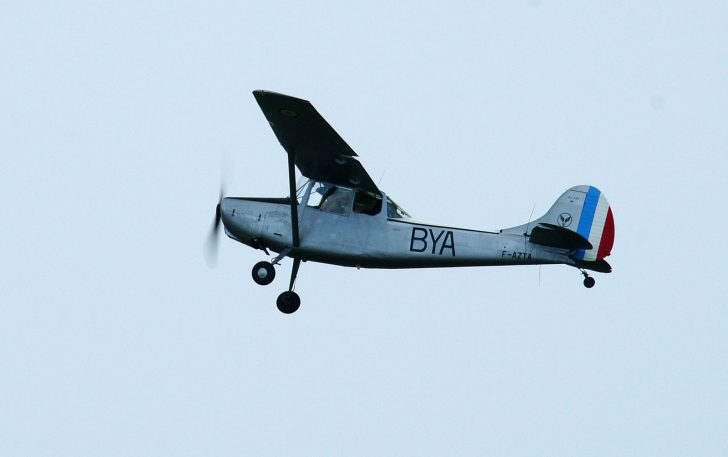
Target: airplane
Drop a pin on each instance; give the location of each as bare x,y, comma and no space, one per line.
339,216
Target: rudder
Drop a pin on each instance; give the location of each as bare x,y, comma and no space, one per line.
596,223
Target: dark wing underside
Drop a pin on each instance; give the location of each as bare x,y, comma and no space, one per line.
320,153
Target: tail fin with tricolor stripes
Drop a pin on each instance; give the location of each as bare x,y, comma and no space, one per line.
580,220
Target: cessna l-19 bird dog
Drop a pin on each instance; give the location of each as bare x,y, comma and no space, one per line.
339,216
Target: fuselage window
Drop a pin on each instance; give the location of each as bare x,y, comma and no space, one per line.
367,203
337,200
394,211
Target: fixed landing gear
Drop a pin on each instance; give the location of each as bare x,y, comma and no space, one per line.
588,280
263,273
288,302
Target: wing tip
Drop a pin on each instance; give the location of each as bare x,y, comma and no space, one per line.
260,93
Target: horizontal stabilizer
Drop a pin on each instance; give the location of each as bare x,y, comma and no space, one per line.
600,266
558,237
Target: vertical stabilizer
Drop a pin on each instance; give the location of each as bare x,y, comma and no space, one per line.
583,210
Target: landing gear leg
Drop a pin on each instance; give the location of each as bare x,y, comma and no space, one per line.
588,280
277,259
289,301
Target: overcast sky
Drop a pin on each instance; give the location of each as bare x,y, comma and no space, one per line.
118,120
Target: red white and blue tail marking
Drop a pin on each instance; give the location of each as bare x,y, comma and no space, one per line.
597,225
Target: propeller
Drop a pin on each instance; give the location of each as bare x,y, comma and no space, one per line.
211,244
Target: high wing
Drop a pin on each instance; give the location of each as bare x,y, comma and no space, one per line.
318,151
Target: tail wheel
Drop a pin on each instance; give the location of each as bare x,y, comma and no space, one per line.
263,273
589,282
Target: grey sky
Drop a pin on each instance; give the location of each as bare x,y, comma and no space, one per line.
117,340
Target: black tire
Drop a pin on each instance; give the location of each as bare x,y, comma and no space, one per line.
288,302
589,282
263,273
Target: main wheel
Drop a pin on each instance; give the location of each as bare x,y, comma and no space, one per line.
589,282
288,302
263,273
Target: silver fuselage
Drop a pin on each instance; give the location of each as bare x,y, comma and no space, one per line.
376,241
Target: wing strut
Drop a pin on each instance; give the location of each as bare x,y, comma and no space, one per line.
294,218
294,202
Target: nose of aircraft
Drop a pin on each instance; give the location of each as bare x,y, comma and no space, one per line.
243,217
235,214
225,209
211,245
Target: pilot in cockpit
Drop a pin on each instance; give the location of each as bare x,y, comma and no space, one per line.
336,200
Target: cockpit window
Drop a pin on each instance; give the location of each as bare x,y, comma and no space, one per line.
337,200
395,212
340,200
318,190
367,203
